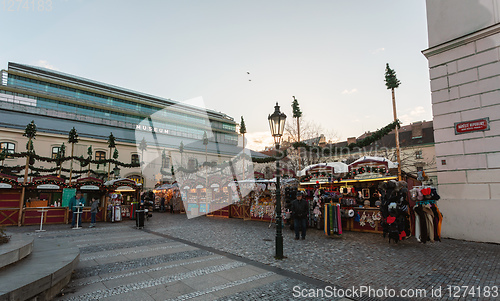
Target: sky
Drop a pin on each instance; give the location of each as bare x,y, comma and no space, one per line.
239,57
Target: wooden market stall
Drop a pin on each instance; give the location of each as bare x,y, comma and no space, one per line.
91,188
10,196
45,194
120,197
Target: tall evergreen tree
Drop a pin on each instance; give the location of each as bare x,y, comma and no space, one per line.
72,138
297,113
111,145
142,147
243,130
181,150
89,158
205,142
392,83
30,133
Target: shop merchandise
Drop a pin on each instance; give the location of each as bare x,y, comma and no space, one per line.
394,210
428,218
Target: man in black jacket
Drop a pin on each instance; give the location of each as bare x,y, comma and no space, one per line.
300,210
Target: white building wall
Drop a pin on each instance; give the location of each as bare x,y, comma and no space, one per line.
464,67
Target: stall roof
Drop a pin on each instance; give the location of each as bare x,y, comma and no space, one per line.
370,159
337,167
347,181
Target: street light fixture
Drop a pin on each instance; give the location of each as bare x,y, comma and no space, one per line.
277,125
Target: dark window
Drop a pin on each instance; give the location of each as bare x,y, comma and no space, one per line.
100,155
55,151
8,147
135,159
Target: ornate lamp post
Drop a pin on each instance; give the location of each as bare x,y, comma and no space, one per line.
277,125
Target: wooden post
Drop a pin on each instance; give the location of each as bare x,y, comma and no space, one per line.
398,154
23,191
71,165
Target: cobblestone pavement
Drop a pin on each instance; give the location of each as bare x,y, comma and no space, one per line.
119,262
353,259
175,258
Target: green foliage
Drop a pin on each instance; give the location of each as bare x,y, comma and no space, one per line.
115,154
243,128
205,138
73,136
375,136
143,145
181,147
297,113
3,154
111,141
29,146
391,80
30,130
89,151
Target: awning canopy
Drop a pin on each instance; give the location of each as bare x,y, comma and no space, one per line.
331,167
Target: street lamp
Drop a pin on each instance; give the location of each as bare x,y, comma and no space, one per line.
277,125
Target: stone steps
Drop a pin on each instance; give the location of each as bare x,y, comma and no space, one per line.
40,275
15,250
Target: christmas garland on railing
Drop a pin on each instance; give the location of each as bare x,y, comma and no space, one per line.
86,161
359,144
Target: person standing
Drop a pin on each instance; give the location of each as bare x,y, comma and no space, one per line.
300,210
162,203
75,201
94,208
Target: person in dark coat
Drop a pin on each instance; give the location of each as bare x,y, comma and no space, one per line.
300,210
75,201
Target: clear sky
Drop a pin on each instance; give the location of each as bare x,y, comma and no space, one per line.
329,54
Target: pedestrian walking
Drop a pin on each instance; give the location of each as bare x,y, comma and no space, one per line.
162,204
76,200
94,208
300,211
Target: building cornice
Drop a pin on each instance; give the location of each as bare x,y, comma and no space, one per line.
477,35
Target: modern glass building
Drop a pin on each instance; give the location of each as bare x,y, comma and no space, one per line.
58,101
45,92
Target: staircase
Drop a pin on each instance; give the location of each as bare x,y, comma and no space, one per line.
35,268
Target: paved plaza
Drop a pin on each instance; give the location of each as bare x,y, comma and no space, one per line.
206,258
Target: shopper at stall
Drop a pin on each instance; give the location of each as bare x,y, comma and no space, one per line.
300,210
75,201
94,208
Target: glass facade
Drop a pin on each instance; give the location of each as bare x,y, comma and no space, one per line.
83,102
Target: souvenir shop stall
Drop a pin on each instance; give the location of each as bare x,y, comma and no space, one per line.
44,195
219,201
263,206
91,188
171,193
10,196
241,202
120,196
194,196
348,200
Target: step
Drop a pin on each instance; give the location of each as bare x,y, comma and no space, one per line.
16,249
41,275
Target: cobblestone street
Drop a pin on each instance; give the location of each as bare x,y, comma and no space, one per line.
206,258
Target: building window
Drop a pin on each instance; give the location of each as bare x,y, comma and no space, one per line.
8,147
420,168
100,155
55,151
192,163
134,159
418,154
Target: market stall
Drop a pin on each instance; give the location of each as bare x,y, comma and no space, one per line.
10,196
353,188
45,194
91,188
121,194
